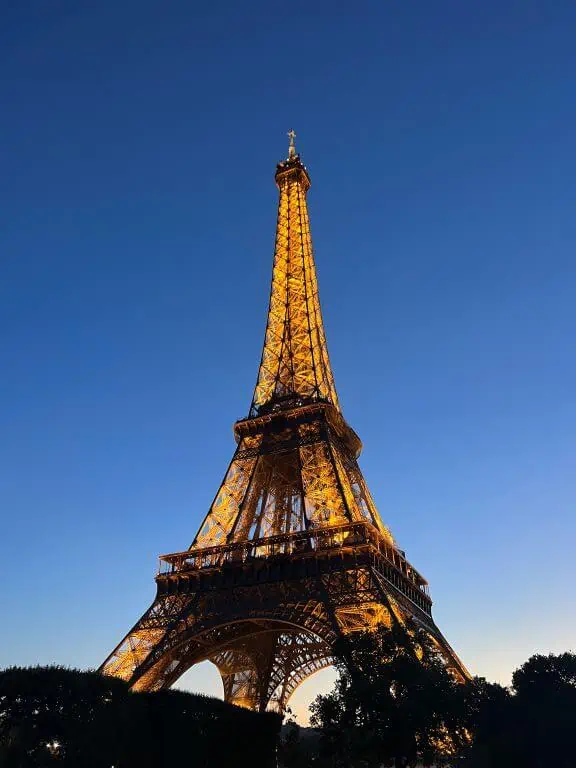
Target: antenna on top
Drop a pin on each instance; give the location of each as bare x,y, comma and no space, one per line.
291,146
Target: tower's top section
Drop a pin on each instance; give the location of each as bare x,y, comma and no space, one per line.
292,168
295,367
291,146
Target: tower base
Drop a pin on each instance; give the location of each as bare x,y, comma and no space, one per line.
268,613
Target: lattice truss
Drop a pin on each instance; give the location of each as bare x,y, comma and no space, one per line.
267,669
264,640
290,481
295,356
302,476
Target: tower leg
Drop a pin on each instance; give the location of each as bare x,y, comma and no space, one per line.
267,626
263,673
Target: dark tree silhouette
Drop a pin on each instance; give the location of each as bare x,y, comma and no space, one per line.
488,711
531,726
52,714
291,753
55,717
545,710
394,703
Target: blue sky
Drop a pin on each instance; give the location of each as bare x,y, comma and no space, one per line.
137,208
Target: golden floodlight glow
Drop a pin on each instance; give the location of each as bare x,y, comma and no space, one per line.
292,552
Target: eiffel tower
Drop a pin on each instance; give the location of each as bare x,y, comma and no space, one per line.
292,553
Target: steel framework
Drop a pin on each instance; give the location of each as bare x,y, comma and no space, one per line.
292,553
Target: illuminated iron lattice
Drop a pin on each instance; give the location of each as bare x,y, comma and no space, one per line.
292,552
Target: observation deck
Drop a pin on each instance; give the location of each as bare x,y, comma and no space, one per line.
316,550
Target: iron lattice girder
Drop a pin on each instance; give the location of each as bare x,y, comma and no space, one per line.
279,557
293,470
292,553
267,668
295,356
335,593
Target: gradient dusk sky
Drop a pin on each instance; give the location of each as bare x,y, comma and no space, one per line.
137,213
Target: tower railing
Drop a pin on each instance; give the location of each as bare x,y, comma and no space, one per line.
350,536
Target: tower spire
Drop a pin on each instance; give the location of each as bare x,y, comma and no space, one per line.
291,146
295,363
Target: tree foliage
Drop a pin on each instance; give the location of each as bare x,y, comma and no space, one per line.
292,751
52,717
394,703
533,724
